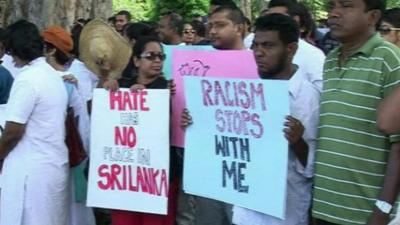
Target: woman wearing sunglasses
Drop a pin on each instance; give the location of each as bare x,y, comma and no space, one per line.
188,34
390,27
148,58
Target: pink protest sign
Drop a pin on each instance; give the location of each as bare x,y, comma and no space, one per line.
224,64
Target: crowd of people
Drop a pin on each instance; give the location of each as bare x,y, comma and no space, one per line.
342,131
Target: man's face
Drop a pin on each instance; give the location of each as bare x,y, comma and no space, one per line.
223,33
165,32
349,18
271,54
120,21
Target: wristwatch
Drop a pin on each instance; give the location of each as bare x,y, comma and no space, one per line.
383,206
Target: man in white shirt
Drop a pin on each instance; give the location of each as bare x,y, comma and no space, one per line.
35,169
274,46
308,57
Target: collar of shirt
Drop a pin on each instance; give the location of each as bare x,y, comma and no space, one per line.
295,83
367,48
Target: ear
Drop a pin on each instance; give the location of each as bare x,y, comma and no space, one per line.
373,17
292,49
136,61
240,29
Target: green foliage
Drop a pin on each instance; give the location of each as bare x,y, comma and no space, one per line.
153,9
185,8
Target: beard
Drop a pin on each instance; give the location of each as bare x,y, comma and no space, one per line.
273,71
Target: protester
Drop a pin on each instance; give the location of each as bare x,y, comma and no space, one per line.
35,170
121,19
57,45
148,58
390,27
111,21
312,68
6,78
274,47
356,174
132,33
169,29
188,34
226,28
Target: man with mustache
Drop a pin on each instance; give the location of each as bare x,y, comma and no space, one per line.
357,170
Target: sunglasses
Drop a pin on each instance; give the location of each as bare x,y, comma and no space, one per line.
153,56
387,30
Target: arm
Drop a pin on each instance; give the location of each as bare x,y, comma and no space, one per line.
12,134
389,114
391,186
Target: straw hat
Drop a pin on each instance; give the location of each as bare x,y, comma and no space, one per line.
100,42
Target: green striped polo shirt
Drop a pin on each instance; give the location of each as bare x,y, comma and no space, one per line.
351,157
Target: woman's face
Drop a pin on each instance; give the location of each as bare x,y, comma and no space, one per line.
188,34
151,60
388,34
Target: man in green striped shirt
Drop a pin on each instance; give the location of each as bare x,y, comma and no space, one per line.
357,168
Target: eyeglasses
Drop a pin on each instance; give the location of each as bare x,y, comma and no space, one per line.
387,30
153,56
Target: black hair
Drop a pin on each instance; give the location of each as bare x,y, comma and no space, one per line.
234,14
199,28
136,30
392,16
290,5
175,21
375,4
306,20
18,43
286,27
75,35
223,3
141,43
3,35
59,56
124,13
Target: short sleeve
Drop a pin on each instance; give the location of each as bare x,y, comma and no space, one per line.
21,102
391,76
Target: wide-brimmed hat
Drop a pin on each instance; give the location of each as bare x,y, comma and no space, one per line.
98,43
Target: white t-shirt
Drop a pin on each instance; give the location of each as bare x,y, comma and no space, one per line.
311,60
248,41
87,80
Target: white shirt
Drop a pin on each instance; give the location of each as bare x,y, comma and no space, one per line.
8,63
304,106
311,60
35,172
248,41
87,80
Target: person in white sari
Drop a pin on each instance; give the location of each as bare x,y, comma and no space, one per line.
35,169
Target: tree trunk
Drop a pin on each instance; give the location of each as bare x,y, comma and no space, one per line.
44,13
245,5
